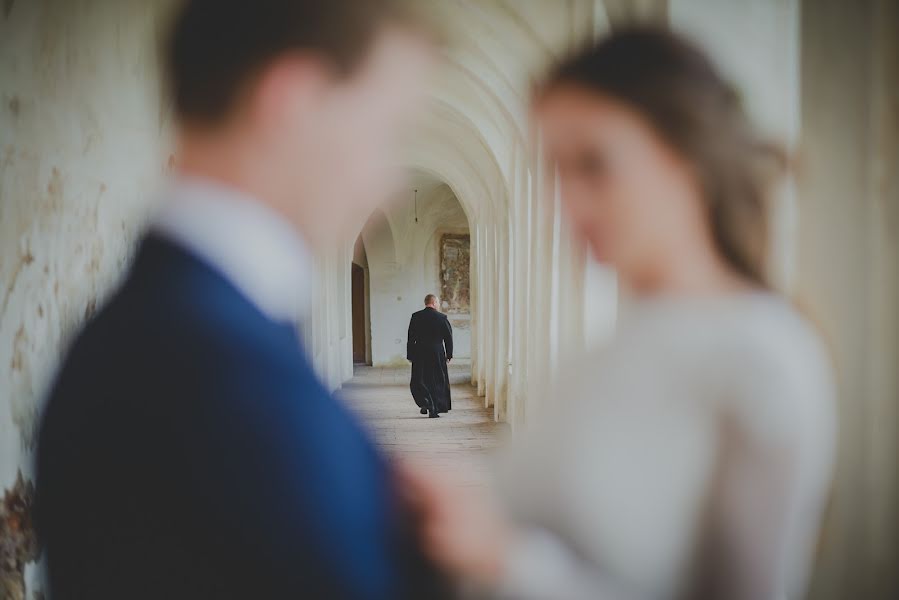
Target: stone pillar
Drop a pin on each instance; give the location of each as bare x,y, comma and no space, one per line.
490,346
474,292
483,313
540,287
532,353
848,276
501,364
329,322
521,256
347,310
552,209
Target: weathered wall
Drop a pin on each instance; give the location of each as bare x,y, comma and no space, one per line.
403,261
81,153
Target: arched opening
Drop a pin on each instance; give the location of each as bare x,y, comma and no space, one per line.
360,305
419,245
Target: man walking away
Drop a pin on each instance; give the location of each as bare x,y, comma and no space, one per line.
430,347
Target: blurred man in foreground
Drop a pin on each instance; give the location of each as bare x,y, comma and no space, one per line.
188,449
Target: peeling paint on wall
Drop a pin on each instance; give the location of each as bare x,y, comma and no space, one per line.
455,268
81,157
18,542
462,324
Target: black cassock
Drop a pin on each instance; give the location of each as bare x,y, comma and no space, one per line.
428,346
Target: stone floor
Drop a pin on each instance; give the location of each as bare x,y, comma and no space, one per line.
460,440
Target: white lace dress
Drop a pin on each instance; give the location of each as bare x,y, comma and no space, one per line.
691,458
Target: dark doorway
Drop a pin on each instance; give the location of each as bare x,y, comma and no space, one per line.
358,291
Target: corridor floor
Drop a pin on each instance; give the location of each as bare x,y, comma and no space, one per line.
459,441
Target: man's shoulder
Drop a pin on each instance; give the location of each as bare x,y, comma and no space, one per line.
174,312
220,345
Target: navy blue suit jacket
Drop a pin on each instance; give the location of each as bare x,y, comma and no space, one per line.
188,450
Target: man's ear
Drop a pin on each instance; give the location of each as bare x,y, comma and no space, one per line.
291,85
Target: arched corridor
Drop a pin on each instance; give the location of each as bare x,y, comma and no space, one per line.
535,298
419,245
85,140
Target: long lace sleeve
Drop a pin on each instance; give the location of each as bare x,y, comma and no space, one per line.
540,566
767,494
692,462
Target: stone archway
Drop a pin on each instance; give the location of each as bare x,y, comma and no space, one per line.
405,261
360,304
360,341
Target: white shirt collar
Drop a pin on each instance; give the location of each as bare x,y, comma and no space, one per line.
256,249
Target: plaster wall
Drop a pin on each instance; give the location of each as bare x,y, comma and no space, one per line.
82,150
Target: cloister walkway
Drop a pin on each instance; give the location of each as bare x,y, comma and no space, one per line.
460,441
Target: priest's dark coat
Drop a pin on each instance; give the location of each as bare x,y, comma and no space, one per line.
429,345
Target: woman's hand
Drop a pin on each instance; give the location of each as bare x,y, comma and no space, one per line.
461,528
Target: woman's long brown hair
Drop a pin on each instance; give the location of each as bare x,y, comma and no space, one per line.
698,114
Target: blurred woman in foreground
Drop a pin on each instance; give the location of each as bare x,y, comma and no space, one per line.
690,458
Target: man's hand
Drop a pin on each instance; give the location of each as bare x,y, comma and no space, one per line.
449,358
461,526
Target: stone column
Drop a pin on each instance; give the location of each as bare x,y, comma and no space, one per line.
532,351
848,276
483,313
490,346
521,256
541,288
474,308
348,311
501,364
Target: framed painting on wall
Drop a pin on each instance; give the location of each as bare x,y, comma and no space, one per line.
455,261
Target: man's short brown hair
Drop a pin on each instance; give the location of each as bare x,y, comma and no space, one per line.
430,299
216,46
